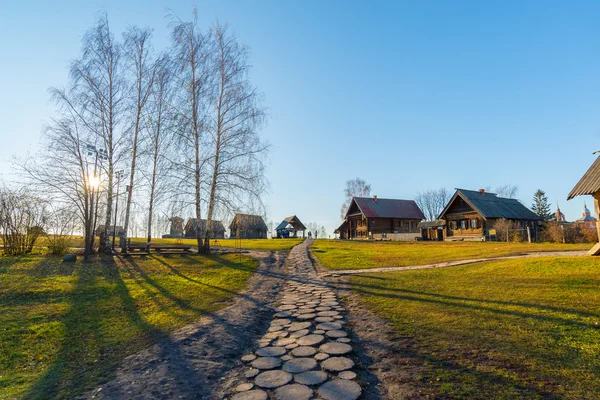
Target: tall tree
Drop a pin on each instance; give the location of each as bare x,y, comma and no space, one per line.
99,91
508,191
354,188
432,202
192,66
235,116
540,205
138,60
159,133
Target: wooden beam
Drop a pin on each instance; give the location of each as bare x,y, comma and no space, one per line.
596,249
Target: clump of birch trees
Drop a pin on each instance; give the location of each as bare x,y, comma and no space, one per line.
183,123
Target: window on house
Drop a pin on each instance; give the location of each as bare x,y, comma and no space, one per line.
473,224
463,224
414,224
453,225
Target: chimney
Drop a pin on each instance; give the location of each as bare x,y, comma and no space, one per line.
482,191
374,197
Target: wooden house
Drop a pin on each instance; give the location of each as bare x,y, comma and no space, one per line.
342,230
217,231
471,215
290,227
589,184
382,219
246,226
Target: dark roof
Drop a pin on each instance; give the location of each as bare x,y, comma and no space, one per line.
489,205
294,221
248,221
589,182
343,226
388,208
192,224
432,224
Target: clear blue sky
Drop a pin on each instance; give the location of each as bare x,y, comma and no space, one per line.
409,96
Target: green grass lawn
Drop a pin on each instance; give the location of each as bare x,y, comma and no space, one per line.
343,254
66,326
522,328
255,244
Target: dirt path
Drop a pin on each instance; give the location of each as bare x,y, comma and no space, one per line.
309,351
326,273
189,363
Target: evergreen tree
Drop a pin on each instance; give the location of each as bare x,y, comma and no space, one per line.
540,205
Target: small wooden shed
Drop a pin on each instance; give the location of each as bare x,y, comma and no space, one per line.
589,184
290,227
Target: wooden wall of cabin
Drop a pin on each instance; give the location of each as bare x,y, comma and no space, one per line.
464,224
393,225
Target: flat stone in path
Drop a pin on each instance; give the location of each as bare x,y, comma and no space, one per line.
251,373
270,351
298,365
293,392
296,326
304,351
347,375
310,340
266,362
329,326
311,377
273,379
336,334
251,395
337,364
248,358
300,333
283,314
285,342
334,348
324,319
244,387
340,389
321,356
327,313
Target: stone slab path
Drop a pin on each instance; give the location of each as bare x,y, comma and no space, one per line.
306,352
575,253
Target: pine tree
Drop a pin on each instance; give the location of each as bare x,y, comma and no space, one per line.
540,205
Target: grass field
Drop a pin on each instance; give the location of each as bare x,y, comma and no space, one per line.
522,328
342,254
64,327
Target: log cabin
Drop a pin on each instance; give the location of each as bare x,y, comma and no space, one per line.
217,232
589,184
247,226
471,215
381,219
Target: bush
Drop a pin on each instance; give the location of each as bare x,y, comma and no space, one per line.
22,217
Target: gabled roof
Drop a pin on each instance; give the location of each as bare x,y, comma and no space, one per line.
589,182
293,221
192,223
489,205
372,207
248,221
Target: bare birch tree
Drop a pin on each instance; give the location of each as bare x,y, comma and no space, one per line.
137,50
64,173
99,91
158,124
191,58
354,188
432,202
235,115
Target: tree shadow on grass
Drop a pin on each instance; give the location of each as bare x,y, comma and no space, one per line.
457,301
89,353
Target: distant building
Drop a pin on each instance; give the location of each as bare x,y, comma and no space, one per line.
559,216
586,218
290,227
246,226
383,219
119,230
217,231
471,215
